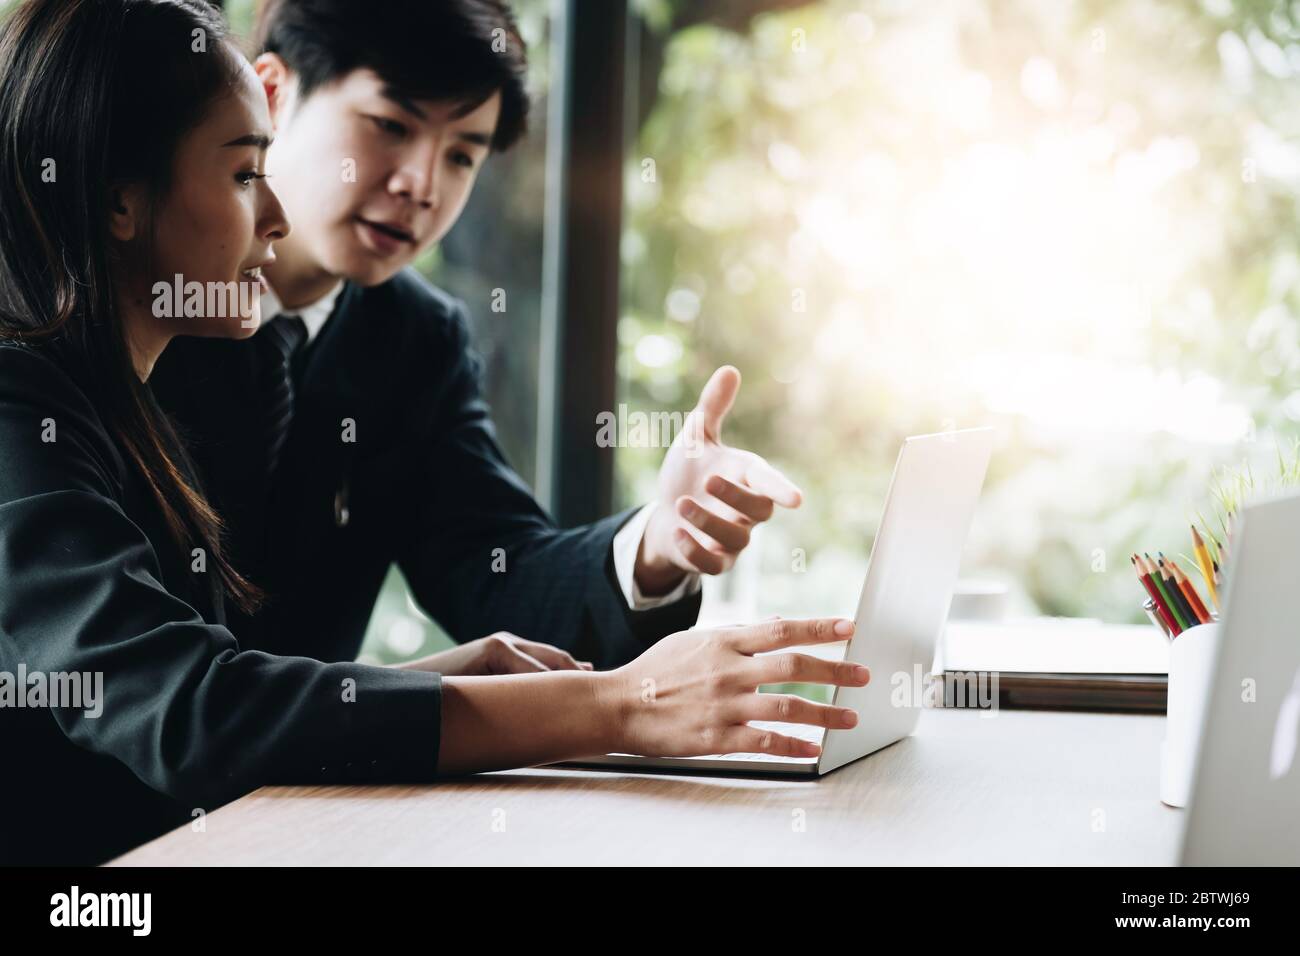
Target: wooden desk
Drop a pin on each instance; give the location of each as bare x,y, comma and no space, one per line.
1021,787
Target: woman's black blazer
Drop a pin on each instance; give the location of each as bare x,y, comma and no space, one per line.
91,584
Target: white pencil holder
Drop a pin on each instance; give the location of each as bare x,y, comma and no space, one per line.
1191,666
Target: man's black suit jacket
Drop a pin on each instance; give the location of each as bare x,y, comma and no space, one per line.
392,458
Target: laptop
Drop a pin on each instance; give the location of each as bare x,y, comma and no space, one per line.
1245,802
902,610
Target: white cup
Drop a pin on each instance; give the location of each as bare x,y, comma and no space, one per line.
1191,666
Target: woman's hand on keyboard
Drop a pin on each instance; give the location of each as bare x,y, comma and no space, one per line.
694,692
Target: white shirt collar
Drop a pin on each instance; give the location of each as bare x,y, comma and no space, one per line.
313,314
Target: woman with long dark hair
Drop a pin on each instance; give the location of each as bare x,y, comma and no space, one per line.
132,140
132,135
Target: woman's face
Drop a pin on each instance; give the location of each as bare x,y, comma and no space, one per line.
215,225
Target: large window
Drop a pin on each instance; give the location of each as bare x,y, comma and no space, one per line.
1073,220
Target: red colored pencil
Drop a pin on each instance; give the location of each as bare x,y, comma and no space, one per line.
1147,583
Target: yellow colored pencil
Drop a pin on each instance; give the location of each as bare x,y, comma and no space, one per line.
1207,567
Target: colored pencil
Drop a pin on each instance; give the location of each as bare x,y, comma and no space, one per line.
1203,559
1174,605
1176,589
1175,592
1152,580
1189,591
1170,625
1158,583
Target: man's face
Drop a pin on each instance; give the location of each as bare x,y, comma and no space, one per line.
369,178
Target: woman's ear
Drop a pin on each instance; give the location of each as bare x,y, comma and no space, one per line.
125,212
279,82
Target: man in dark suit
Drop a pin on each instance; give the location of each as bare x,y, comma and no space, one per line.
350,432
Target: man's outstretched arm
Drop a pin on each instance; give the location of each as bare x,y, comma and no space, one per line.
482,556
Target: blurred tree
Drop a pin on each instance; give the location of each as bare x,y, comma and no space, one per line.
1075,220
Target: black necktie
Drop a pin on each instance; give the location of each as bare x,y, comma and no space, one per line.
278,340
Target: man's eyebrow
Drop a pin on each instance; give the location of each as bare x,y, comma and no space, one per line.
478,139
402,100
260,140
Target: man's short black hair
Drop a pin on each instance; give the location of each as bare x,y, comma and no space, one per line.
460,51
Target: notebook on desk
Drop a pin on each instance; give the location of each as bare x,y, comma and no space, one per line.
1062,663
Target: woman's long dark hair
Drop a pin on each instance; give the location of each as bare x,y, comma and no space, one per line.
94,94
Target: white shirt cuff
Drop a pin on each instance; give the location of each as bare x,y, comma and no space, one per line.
626,545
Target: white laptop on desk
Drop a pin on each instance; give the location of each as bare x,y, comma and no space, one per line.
1245,807
904,604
